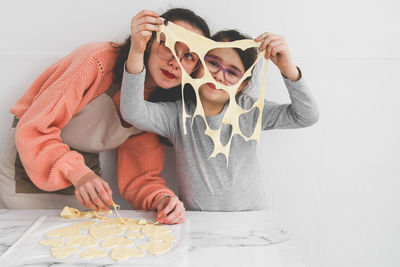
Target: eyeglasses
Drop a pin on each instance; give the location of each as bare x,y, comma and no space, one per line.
214,65
188,60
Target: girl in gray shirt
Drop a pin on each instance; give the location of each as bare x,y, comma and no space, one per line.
210,184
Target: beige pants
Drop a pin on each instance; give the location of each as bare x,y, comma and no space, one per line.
9,199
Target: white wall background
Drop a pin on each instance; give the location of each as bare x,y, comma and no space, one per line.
335,184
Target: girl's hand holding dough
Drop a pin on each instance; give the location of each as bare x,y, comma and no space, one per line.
277,50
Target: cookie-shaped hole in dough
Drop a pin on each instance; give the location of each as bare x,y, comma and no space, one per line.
189,60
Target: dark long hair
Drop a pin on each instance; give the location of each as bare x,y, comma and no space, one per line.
248,56
174,14
159,94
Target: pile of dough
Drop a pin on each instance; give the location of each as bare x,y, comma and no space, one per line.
72,213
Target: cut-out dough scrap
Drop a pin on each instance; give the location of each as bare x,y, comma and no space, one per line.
116,241
152,229
63,252
201,46
86,224
55,242
135,235
104,232
162,237
118,254
72,213
66,232
93,253
116,208
84,241
156,248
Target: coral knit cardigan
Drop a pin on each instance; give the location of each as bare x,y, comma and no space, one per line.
52,100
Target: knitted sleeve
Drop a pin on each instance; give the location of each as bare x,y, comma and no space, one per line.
140,162
54,97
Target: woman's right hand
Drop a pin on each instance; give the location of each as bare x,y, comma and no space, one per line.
93,192
142,26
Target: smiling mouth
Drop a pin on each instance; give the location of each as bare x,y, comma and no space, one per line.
168,74
212,86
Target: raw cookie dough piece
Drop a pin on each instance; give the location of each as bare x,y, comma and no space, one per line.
111,222
115,222
156,248
104,232
135,235
93,253
142,222
134,227
66,232
129,220
55,242
86,224
63,252
116,241
125,253
151,229
162,237
84,241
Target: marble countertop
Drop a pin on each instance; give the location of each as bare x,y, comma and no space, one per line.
252,238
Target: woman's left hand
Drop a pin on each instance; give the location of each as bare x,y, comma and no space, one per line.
170,210
277,50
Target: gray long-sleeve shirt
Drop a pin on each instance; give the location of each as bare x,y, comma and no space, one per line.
208,184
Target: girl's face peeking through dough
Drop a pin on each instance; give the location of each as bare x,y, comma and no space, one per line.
226,68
